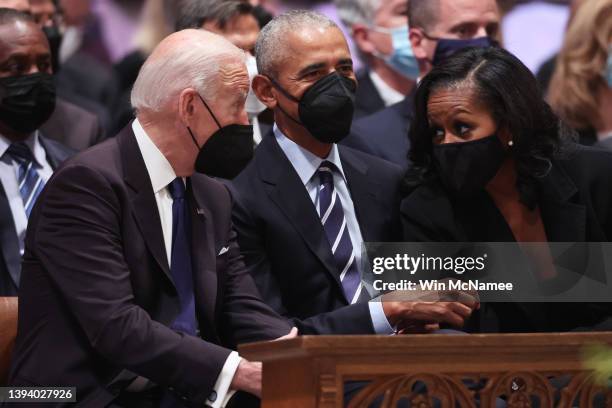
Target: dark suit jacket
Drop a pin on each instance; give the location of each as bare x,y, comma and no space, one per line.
385,133
576,206
284,244
10,259
73,126
605,144
100,296
367,98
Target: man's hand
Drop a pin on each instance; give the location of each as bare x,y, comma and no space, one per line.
247,378
424,311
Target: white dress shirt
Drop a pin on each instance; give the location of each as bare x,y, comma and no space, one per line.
161,175
9,173
306,165
389,95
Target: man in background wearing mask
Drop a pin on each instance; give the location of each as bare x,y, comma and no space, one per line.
304,205
27,159
380,31
235,20
438,28
131,270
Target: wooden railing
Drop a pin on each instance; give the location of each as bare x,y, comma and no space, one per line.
516,370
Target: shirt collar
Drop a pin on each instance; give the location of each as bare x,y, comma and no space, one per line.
160,171
304,162
389,95
33,143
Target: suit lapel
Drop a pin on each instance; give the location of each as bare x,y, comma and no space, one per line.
286,190
204,255
56,154
9,239
144,206
363,192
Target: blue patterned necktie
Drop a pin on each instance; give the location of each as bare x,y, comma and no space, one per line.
336,230
30,181
181,267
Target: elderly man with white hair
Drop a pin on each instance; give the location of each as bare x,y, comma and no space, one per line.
380,31
133,288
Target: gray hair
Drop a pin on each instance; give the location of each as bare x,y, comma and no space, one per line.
357,11
187,59
271,47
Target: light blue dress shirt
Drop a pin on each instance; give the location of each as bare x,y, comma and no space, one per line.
306,165
9,173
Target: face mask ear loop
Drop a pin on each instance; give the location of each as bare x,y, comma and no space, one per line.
193,137
210,111
288,95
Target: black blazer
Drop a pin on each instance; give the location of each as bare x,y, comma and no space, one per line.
10,258
367,98
284,244
97,295
576,206
385,133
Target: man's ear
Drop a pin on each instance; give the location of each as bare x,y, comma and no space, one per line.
186,106
416,40
263,88
361,36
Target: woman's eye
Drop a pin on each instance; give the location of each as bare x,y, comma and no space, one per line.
462,129
437,134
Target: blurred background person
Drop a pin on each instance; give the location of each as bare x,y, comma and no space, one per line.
581,88
437,29
491,163
380,31
27,159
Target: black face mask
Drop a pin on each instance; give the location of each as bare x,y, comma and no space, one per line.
326,108
465,168
26,102
227,152
54,36
448,46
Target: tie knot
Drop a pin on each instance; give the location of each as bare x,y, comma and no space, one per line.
20,152
177,188
326,172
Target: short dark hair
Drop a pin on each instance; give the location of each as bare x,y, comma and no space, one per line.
507,87
195,13
8,16
423,13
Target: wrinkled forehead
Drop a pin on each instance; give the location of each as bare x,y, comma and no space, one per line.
312,45
233,79
22,37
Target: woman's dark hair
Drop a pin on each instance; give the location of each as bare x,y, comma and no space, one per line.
503,84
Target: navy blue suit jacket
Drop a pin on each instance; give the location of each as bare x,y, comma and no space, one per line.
385,133
284,244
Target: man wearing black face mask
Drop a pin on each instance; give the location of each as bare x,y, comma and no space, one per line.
27,159
305,205
438,28
132,256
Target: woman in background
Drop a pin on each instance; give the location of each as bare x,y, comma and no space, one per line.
491,164
581,88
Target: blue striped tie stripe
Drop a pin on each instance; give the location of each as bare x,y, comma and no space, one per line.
30,181
337,233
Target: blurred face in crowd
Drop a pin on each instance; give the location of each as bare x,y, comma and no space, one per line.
242,31
309,54
20,5
458,20
24,51
75,12
43,12
391,14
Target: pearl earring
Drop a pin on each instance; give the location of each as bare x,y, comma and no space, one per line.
511,143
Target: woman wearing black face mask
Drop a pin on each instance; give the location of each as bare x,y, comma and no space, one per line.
491,164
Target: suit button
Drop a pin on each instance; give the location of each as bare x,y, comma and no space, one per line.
213,396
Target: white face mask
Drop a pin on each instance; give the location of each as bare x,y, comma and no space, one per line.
253,105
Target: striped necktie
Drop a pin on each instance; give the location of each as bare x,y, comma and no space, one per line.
336,230
30,181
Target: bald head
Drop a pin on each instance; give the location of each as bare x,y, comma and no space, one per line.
194,59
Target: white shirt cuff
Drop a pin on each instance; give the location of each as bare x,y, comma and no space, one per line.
379,320
221,393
